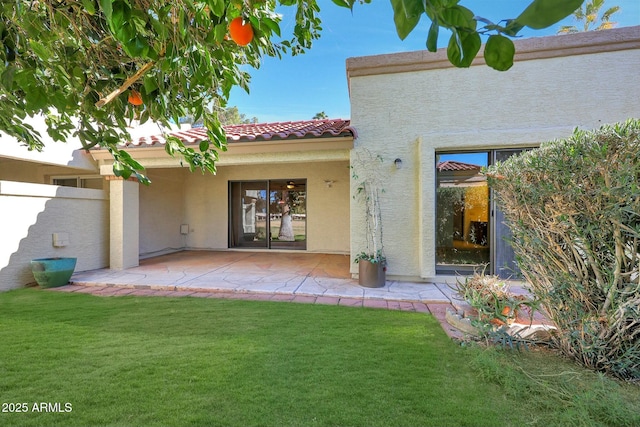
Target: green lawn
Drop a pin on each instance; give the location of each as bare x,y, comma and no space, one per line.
194,361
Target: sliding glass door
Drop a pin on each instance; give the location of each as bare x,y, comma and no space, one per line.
288,214
268,214
504,258
248,219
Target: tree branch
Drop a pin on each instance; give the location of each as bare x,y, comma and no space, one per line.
107,99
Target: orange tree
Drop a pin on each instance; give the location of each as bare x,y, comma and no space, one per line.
82,63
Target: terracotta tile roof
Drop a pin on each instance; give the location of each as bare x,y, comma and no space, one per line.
303,129
453,166
287,130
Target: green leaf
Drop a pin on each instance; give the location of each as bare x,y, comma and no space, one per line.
204,145
512,28
543,13
463,48
168,148
40,50
150,83
406,15
137,47
458,17
124,156
272,25
119,20
118,168
134,164
221,31
217,7
89,7
432,39
78,74
499,52
37,98
344,3
139,20
117,16
126,173
161,30
107,8
143,179
7,77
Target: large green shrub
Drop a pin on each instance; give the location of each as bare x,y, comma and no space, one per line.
574,209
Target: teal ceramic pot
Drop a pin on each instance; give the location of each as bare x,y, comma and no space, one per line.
53,272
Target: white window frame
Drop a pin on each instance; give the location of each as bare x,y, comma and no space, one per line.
78,178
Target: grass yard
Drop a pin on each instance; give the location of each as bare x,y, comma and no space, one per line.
198,361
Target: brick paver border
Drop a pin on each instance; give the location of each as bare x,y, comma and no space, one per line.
438,310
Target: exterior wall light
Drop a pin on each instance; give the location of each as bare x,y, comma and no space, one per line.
398,163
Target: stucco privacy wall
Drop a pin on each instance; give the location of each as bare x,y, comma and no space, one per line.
31,213
412,105
23,171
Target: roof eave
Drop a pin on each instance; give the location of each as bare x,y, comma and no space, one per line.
533,48
315,144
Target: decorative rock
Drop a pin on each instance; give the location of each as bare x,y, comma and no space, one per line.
531,332
461,323
541,333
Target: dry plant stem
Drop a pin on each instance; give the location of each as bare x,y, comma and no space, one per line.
113,95
619,251
592,261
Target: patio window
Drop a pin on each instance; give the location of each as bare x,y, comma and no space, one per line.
95,182
471,233
462,220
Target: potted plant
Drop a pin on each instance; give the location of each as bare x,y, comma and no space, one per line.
53,272
371,269
372,263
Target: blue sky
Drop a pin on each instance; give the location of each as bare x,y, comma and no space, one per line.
296,88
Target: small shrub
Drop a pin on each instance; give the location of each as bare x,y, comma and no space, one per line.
492,298
496,307
573,206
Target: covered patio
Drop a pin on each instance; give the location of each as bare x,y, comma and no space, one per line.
287,273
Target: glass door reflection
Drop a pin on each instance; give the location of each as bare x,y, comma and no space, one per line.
288,213
248,215
462,218
268,214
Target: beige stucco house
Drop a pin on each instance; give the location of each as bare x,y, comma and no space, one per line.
288,186
417,108
301,165
280,186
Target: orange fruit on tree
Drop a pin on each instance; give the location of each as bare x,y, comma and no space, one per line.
240,31
134,97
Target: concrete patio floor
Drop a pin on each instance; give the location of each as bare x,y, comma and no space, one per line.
290,273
